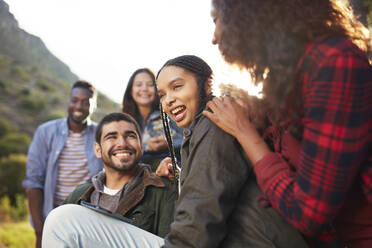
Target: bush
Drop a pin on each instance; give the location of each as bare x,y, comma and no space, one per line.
32,104
44,86
18,212
3,88
368,4
14,143
19,73
5,127
25,92
12,172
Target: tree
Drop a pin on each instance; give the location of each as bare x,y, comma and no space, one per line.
14,143
360,10
12,172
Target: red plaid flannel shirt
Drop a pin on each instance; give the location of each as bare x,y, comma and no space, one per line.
335,149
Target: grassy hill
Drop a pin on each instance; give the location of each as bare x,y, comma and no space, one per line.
34,84
34,88
29,96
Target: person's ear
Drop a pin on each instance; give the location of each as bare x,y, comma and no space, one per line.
93,104
208,87
98,150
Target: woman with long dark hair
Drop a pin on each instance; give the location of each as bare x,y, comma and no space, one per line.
313,162
141,101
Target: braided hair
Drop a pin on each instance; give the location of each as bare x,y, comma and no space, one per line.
203,75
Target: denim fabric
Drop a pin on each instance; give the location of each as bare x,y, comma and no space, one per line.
76,226
47,144
154,127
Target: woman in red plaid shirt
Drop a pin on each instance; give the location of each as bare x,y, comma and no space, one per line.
313,161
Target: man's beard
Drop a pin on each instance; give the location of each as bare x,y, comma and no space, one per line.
107,161
81,120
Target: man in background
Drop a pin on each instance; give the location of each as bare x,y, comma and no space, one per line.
61,156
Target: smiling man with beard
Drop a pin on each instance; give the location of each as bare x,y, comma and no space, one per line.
61,156
125,187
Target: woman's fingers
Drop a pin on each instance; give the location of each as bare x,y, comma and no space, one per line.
227,114
165,168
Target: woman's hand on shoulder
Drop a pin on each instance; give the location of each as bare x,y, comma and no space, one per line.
229,115
233,117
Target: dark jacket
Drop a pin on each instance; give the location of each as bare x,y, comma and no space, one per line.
217,205
149,205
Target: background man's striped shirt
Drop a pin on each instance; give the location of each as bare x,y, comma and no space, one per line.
72,167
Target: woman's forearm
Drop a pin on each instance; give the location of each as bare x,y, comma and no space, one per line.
252,143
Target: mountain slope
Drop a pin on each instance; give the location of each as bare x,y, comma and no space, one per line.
34,84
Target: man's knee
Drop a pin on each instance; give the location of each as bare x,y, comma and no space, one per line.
64,213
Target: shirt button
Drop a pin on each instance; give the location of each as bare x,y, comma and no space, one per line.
186,132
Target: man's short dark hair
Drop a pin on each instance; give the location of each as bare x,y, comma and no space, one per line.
85,85
116,117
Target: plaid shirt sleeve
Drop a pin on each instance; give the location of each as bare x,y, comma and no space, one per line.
337,93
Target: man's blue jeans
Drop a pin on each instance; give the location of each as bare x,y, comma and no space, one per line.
76,226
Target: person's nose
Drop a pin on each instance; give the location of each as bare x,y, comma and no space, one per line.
214,38
169,100
78,105
144,87
122,142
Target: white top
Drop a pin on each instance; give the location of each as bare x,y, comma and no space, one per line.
110,191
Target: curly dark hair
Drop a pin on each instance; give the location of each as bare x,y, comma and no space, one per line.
267,37
129,105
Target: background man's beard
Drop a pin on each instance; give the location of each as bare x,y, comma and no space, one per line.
78,121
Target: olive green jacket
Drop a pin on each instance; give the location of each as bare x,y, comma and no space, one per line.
217,205
149,205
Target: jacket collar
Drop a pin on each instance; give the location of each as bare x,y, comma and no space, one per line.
133,197
188,131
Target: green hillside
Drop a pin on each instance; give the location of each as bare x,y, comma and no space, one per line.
29,96
34,88
34,84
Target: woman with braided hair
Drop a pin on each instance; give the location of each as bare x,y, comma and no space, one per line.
217,204
141,101
314,162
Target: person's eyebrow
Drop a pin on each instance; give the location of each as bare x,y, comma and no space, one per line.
110,133
131,132
175,80
170,83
